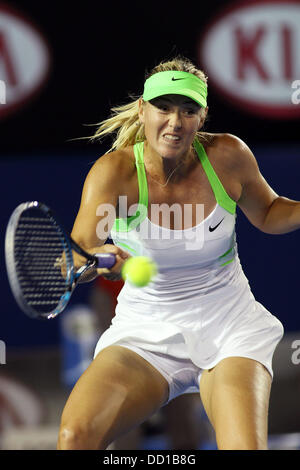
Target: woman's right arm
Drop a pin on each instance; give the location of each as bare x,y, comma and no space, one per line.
96,215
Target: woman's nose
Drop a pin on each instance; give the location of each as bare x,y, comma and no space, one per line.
175,120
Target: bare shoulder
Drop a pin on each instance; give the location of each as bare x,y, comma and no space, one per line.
227,145
231,152
118,162
113,169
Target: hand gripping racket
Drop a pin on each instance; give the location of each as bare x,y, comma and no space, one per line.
39,261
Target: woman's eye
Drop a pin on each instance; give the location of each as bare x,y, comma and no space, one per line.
189,111
163,107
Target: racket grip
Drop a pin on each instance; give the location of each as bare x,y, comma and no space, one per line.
105,260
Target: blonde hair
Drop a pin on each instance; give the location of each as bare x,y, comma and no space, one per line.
124,121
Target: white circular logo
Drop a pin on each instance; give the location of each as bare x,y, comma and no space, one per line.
251,54
24,60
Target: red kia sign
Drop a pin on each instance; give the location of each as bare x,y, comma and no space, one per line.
251,54
24,60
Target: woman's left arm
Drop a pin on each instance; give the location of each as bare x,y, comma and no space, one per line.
265,209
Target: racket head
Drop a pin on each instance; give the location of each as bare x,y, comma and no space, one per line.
34,242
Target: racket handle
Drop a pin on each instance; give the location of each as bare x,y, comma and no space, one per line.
105,260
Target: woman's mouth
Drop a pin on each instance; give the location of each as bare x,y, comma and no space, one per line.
171,137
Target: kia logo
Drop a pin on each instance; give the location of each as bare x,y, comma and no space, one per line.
251,54
24,60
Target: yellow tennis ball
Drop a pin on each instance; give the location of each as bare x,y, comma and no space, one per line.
139,270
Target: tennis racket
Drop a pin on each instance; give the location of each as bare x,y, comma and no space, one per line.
39,261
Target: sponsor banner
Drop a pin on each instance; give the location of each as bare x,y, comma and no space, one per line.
251,54
24,60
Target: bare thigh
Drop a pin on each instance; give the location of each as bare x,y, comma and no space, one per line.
118,391
235,395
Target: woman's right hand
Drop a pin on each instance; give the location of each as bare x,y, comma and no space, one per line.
113,273
121,257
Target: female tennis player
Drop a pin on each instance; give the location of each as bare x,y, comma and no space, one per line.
197,325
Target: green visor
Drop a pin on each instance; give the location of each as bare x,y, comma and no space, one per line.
174,82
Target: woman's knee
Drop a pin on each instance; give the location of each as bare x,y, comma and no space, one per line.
76,436
239,441
70,437
92,429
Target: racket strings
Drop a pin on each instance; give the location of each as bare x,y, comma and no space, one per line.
42,260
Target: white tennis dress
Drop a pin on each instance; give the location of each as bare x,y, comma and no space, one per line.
199,309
